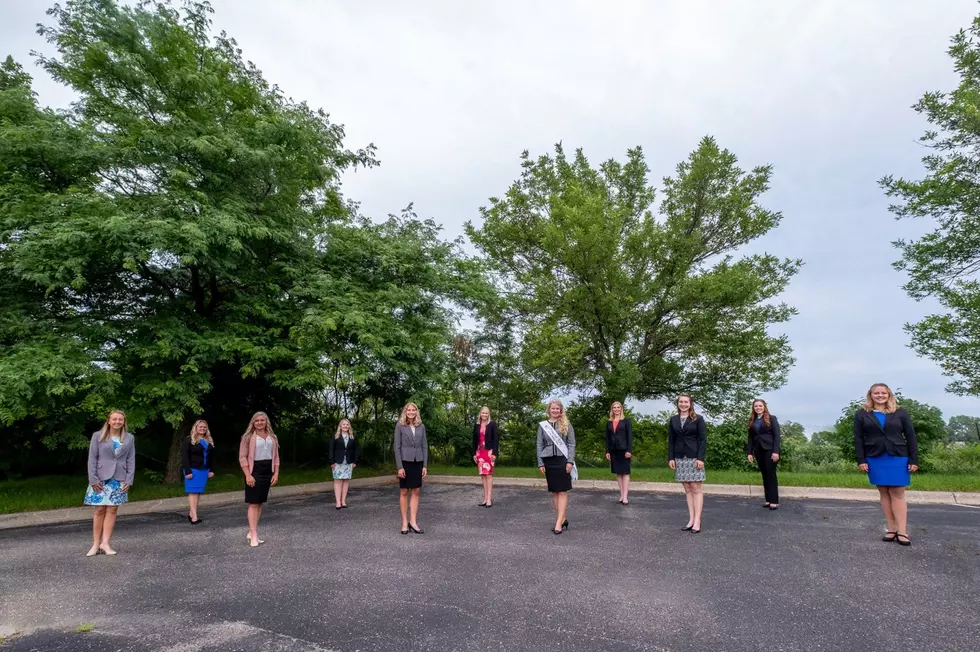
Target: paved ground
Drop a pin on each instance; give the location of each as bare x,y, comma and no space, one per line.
812,576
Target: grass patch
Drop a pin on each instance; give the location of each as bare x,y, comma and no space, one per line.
57,491
85,627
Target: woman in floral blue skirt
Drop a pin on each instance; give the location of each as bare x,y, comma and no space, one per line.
111,470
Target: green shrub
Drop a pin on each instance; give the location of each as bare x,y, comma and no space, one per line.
951,459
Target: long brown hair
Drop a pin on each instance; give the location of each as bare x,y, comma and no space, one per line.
890,405
691,414
250,431
207,435
105,429
765,413
350,429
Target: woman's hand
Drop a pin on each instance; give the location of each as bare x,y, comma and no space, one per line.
671,464
493,458
541,468
629,455
210,474
353,466
275,477
698,465
333,465
751,459
863,467
607,456
97,488
401,473
425,471
476,460
775,457
125,487
249,480
190,476
568,468
913,467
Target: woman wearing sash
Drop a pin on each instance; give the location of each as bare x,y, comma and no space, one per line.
556,459
486,446
412,458
196,460
619,449
687,442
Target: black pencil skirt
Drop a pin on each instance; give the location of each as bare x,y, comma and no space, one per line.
619,463
413,475
556,475
262,472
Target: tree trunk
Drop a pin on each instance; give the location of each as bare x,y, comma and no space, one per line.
173,458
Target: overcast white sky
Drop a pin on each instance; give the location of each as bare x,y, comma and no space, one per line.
451,92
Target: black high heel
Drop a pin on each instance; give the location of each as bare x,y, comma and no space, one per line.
697,531
418,531
889,539
899,537
564,525
482,505
404,531
556,532
687,528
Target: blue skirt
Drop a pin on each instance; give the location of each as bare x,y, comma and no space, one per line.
197,483
111,495
889,471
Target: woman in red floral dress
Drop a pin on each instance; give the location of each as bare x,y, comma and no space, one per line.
486,447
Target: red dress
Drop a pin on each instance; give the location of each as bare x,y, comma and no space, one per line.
483,461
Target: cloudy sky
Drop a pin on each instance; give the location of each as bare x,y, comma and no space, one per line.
451,93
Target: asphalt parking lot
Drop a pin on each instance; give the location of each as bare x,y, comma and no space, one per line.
811,576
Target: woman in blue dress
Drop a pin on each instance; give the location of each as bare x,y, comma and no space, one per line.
111,470
196,453
886,449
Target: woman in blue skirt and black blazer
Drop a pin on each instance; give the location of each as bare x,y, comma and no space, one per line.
886,449
687,442
196,455
763,448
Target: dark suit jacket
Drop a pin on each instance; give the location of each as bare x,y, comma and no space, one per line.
691,440
337,451
622,438
192,456
766,439
896,438
492,438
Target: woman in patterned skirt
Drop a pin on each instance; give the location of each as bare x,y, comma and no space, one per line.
486,446
344,456
111,470
686,444
195,458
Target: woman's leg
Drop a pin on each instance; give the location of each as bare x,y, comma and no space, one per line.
344,488
483,483
97,520
626,488
337,490
900,509
886,508
489,481
403,503
107,526
253,522
698,503
192,502
562,505
414,505
689,497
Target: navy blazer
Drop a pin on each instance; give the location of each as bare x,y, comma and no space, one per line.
896,438
337,451
620,439
492,442
689,440
192,456
767,439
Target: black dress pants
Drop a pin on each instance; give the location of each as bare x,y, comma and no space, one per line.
768,469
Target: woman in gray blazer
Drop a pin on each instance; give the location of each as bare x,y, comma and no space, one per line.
556,459
412,458
111,470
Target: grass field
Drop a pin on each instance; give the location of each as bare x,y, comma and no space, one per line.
55,491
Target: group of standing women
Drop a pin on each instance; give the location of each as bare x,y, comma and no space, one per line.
884,442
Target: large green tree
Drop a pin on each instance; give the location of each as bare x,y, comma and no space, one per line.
944,263
963,428
613,296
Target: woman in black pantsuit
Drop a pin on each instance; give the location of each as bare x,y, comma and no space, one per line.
619,449
763,448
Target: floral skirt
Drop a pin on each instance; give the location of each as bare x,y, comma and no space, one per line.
484,463
342,471
111,495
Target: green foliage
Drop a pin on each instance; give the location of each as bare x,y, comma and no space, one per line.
963,428
943,264
726,446
954,458
930,429
610,296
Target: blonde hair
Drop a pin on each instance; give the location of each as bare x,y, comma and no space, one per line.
105,429
404,419
562,425
207,435
489,416
622,409
250,430
890,405
691,414
350,429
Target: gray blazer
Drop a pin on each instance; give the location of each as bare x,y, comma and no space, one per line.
105,464
547,449
409,447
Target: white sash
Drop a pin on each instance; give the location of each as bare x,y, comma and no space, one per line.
559,444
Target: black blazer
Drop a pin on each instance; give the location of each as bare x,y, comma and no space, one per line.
620,439
192,455
337,451
492,438
689,441
766,439
896,438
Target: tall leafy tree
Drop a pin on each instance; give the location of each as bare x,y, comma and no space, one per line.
963,428
614,297
944,264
